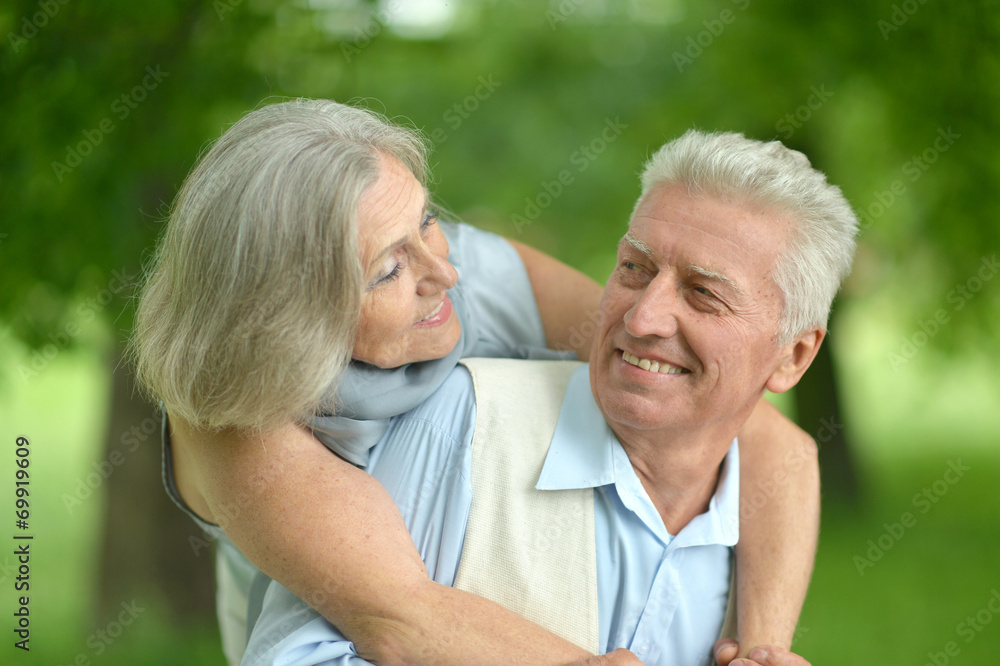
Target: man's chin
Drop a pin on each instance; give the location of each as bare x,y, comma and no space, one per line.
624,408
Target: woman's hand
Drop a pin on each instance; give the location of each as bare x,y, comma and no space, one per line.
620,657
726,650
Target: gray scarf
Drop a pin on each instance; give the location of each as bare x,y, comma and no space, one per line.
368,396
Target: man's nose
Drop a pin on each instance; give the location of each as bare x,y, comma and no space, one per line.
655,311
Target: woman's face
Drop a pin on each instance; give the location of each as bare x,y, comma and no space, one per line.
406,315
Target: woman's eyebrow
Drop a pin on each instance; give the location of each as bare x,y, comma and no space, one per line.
402,241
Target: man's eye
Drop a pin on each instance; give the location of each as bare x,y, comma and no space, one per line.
704,291
630,266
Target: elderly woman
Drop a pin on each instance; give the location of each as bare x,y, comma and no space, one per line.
304,292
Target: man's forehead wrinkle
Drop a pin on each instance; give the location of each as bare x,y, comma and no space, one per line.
686,225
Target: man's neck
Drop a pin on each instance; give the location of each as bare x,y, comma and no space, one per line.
679,471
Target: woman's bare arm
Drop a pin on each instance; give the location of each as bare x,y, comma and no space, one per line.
567,299
779,527
779,472
332,535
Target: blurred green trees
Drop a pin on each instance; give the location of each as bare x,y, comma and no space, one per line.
106,106
540,115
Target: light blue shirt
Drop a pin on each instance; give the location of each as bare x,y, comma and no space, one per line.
662,596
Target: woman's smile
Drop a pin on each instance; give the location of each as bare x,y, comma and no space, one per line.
439,315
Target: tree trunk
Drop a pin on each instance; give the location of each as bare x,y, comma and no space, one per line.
145,538
818,404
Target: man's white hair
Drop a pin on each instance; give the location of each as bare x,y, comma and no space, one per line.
249,309
738,170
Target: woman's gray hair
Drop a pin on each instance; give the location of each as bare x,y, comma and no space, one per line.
249,309
739,170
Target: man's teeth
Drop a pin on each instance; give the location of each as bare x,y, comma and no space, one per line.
436,310
652,366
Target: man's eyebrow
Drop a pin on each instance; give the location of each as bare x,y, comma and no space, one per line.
644,248
716,276
629,239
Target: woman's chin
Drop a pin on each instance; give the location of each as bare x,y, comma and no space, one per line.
429,344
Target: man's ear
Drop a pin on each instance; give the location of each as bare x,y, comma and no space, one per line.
796,357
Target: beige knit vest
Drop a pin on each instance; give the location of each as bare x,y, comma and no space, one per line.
531,551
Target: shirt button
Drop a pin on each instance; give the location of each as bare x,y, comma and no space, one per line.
643,649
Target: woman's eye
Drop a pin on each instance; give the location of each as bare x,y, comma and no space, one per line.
388,277
429,220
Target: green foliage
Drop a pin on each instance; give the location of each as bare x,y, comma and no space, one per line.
106,108
508,93
540,116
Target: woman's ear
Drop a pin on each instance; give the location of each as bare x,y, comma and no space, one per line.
796,357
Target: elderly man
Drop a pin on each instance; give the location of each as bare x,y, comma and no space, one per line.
601,500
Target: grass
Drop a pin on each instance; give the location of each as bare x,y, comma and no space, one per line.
924,579
908,607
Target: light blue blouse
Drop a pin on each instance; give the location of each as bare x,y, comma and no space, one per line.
500,319
663,596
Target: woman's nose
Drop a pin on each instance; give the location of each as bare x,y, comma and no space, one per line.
438,274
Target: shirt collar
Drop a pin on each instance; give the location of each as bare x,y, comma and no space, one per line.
580,455
585,453
720,524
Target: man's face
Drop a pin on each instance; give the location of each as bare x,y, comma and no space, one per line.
692,294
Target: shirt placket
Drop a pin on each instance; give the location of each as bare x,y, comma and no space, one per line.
658,613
